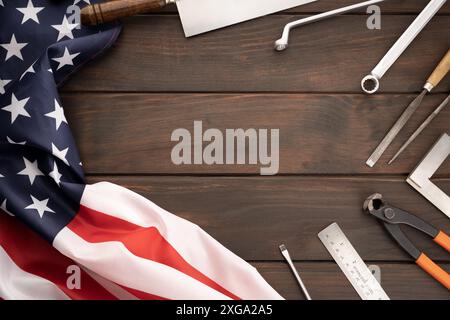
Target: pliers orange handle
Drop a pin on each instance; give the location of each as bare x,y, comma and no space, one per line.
392,217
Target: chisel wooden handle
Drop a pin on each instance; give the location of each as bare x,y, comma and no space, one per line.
439,73
113,10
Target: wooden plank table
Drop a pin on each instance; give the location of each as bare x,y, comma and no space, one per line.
124,107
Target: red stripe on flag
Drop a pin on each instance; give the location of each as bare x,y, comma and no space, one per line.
34,255
147,243
142,295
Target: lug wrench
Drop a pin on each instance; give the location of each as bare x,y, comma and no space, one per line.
370,83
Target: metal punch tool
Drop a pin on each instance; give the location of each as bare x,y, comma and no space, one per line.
282,43
287,256
370,83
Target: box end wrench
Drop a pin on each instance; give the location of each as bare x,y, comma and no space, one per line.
282,43
371,83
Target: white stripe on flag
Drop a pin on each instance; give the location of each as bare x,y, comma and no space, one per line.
114,262
16,284
196,247
111,287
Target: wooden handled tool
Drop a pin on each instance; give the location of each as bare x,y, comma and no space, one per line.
439,73
113,10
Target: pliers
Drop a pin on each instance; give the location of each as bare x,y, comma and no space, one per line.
392,218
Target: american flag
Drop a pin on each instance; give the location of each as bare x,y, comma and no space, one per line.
125,246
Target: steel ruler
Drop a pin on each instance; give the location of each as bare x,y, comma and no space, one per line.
351,263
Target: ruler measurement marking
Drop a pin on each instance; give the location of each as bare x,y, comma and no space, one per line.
351,264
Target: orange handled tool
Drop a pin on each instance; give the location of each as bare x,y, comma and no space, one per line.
393,217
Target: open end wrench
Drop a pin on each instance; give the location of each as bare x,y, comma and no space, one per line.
371,83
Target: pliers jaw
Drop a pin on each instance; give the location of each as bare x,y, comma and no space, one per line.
392,217
379,208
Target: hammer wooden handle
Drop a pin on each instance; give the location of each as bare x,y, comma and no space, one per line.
113,10
440,72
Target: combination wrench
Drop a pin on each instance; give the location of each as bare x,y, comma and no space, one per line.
371,83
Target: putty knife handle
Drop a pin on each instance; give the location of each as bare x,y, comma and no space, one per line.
113,10
439,73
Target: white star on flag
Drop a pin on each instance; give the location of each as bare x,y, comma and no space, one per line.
29,70
3,207
58,115
17,108
11,141
60,154
13,48
66,59
87,1
3,84
30,12
55,174
65,29
1,3
31,170
40,206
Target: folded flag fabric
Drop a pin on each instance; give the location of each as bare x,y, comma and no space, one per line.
51,222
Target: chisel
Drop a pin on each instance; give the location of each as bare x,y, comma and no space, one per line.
437,75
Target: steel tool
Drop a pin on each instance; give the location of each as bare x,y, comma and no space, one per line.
282,43
419,179
197,16
432,81
288,259
392,217
376,271
421,128
370,83
351,264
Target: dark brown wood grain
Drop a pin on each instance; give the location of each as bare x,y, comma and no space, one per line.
387,7
331,56
114,10
252,216
326,281
123,107
319,134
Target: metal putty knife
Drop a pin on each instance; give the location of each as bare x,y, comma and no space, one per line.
197,16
